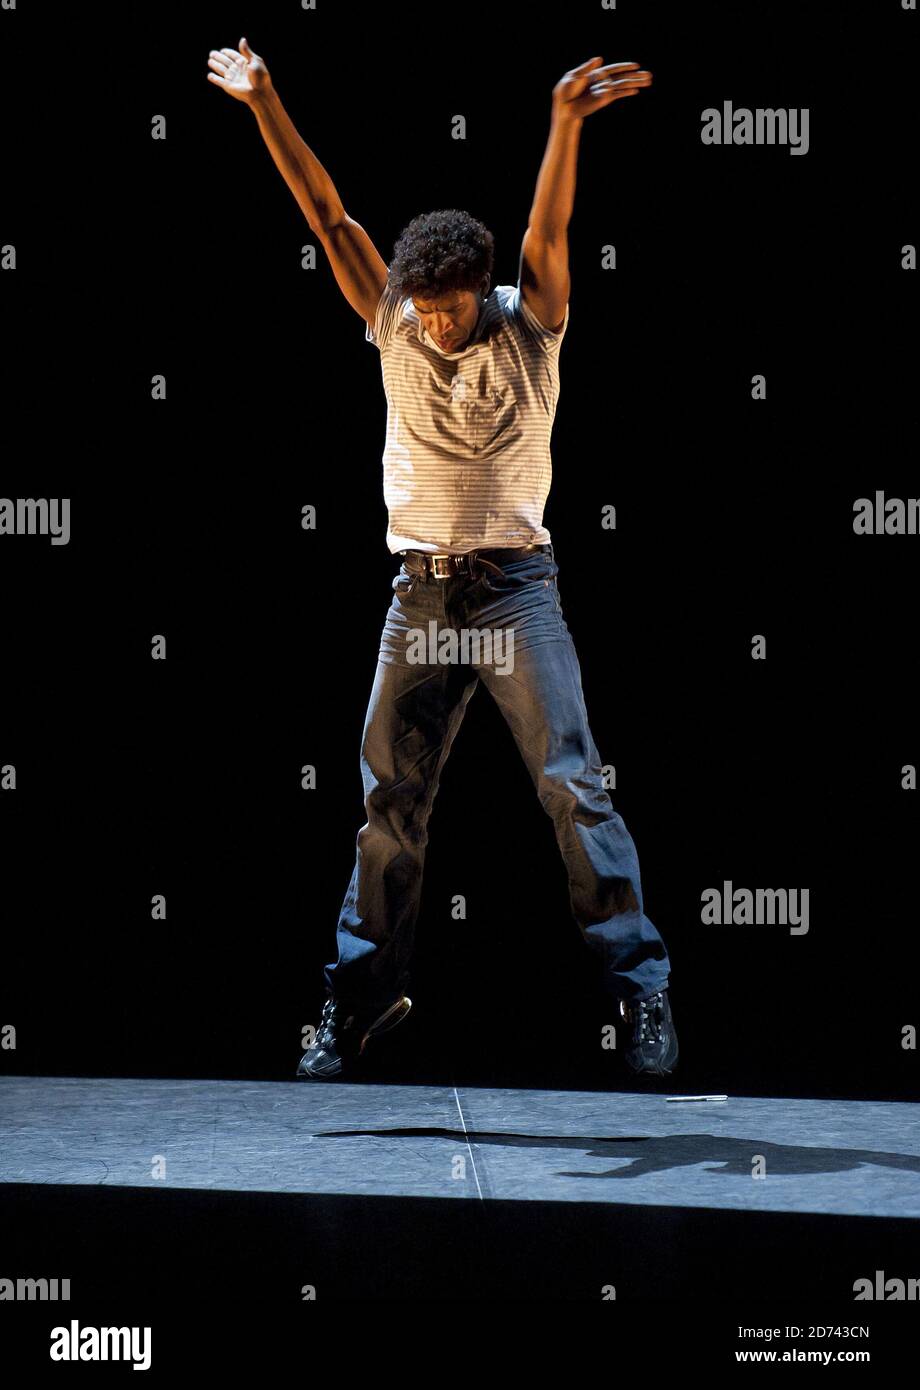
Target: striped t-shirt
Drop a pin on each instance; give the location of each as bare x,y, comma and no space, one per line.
466,462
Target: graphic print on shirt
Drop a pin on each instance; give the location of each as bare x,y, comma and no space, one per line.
471,410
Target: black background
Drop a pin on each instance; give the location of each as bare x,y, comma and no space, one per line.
734,517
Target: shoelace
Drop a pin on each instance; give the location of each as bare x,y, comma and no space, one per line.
645,1015
324,1031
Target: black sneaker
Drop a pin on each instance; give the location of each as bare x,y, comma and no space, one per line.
651,1044
343,1035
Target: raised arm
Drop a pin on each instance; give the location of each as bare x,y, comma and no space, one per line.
544,269
357,265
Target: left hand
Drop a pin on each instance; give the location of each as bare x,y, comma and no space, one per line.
587,88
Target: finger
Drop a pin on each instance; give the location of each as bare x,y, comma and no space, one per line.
212,77
583,67
635,79
220,67
618,88
578,82
602,99
232,54
614,67
600,79
216,57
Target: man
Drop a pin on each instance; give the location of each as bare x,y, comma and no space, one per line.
471,379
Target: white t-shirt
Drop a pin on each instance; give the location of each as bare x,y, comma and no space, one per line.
466,463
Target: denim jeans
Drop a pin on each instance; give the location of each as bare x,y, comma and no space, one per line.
414,712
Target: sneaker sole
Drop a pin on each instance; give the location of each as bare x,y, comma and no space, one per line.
658,1070
393,1015
387,1020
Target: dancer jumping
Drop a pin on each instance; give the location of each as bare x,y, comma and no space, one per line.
471,378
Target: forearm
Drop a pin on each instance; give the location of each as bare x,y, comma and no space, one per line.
302,172
554,198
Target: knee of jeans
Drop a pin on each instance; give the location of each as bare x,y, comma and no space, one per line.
400,813
583,796
556,797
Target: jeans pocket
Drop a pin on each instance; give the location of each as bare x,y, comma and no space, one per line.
516,576
498,583
404,583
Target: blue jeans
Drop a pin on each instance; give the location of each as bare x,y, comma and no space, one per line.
414,712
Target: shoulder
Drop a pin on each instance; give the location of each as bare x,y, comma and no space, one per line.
391,309
522,318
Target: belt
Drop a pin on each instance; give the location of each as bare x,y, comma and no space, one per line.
445,566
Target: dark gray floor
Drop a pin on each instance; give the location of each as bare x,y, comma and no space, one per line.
841,1157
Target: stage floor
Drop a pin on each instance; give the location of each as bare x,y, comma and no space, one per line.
854,1158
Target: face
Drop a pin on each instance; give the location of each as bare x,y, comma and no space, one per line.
451,319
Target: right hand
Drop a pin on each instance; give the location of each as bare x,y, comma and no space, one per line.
243,75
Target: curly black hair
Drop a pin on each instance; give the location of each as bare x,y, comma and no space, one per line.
439,252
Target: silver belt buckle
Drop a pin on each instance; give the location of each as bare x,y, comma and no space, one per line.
436,561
